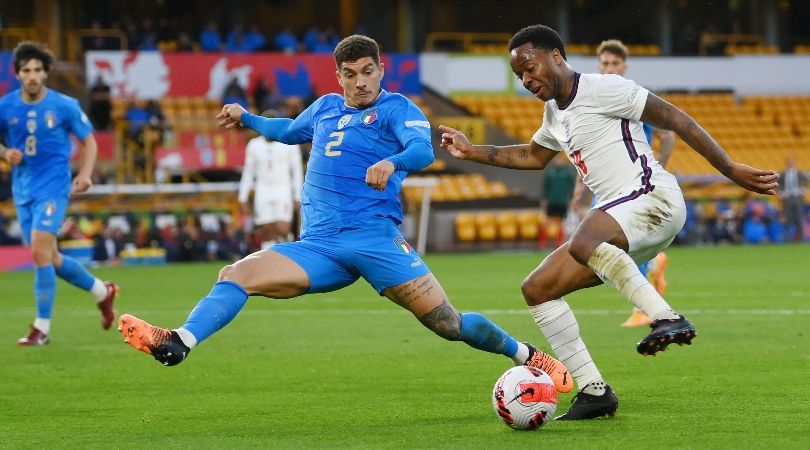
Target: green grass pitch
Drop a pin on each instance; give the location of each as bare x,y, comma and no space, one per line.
351,370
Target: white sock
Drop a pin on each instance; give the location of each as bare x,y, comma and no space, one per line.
558,324
521,355
43,325
99,290
188,339
613,265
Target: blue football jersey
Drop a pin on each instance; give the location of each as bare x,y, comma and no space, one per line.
347,141
41,131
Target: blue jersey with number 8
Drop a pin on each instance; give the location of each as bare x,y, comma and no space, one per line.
41,131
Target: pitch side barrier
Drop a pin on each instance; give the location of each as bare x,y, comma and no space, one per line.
425,183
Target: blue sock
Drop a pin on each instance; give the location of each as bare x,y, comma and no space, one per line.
44,290
479,332
74,273
216,310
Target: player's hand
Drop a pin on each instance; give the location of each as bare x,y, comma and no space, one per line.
378,174
231,116
81,184
455,142
13,156
244,208
759,181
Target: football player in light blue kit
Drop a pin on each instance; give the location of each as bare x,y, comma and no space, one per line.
364,143
35,127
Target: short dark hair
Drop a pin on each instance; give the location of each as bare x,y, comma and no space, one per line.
27,50
540,36
354,47
613,46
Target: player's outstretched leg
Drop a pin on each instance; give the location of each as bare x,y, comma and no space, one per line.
481,333
614,265
424,298
171,347
75,273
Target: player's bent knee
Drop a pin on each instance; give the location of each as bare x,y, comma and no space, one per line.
581,250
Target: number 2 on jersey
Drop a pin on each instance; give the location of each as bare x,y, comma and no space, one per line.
30,145
576,156
338,135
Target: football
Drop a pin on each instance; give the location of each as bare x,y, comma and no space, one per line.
524,398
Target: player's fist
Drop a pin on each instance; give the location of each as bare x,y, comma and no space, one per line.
455,142
80,184
378,174
231,115
13,156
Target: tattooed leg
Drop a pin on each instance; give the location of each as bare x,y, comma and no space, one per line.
426,299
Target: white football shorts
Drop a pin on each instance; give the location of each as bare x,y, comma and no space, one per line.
650,220
267,209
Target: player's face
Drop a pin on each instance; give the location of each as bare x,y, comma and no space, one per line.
32,76
360,81
610,63
537,69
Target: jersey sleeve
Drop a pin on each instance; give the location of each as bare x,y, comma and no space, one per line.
286,131
77,120
412,129
620,97
543,135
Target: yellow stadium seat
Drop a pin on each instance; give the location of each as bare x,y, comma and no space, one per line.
465,227
507,226
486,226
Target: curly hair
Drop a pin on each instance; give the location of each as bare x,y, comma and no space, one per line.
540,36
28,50
354,47
613,46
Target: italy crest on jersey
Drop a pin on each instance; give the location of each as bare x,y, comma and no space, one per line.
369,116
50,119
344,121
50,208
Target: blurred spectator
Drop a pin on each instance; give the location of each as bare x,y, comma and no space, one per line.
184,42
94,41
137,117
133,35
107,244
237,40
149,36
100,104
210,39
323,44
792,189
286,41
265,97
755,230
192,246
311,38
156,118
256,41
234,94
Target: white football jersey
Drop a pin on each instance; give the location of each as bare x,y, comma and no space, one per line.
599,129
272,169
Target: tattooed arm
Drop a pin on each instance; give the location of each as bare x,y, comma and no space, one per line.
524,156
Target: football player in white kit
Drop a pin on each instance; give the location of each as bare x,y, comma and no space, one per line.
596,120
273,171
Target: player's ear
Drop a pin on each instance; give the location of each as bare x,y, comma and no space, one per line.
382,71
337,76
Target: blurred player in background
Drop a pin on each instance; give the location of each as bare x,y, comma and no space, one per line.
35,127
364,143
612,55
596,121
273,172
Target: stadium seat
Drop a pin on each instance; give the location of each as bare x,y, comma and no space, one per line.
528,224
486,226
507,226
465,227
